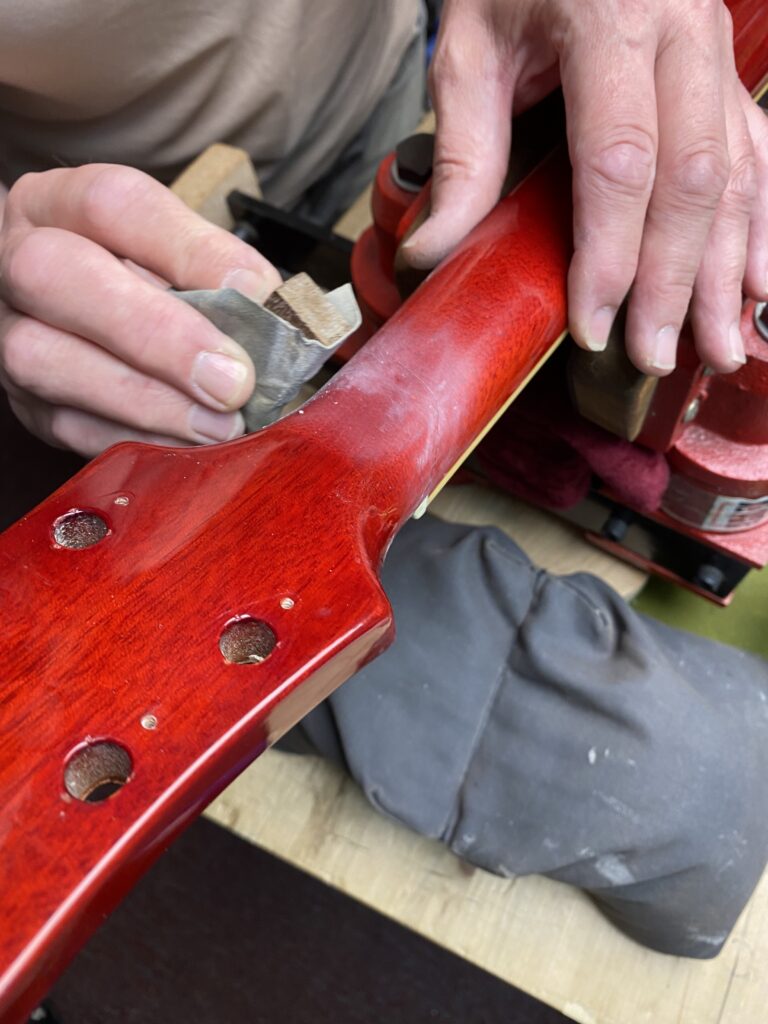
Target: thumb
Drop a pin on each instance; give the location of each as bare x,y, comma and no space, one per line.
472,96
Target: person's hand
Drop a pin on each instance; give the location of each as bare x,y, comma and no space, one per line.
669,155
93,348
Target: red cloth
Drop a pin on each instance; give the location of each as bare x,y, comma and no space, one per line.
544,452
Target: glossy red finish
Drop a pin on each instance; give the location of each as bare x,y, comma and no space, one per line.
375,288
95,639
373,257
750,32
388,204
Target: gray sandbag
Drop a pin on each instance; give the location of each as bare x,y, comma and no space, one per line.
537,724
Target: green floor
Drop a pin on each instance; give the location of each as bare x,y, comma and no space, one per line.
744,623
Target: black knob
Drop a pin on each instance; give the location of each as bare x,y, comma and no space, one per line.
413,161
616,525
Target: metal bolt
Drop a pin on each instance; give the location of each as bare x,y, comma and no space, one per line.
122,500
709,577
148,722
616,525
287,603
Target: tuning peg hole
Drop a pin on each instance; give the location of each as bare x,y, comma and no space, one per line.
77,529
247,641
97,770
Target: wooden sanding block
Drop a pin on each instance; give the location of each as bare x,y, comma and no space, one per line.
304,305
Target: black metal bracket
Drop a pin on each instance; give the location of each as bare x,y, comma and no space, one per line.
292,243
690,560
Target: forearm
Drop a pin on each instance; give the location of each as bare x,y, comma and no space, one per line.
3,194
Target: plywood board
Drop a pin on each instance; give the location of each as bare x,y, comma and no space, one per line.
543,937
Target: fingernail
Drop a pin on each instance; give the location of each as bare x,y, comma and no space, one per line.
423,239
215,426
736,344
665,348
248,283
600,327
416,259
220,377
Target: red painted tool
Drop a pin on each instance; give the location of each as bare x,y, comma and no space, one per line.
714,430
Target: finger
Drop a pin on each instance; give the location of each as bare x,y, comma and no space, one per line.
38,359
756,276
47,272
472,85
717,295
79,431
136,217
691,175
609,92
146,275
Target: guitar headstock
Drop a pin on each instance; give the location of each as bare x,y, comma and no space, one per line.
167,614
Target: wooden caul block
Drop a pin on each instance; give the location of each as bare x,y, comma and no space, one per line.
206,183
304,305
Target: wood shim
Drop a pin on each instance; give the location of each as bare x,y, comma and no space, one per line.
303,304
206,183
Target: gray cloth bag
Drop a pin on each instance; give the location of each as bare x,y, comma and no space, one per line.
537,724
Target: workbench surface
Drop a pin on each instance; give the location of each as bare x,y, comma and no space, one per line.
544,937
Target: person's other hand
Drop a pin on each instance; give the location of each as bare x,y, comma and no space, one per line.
669,155
93,348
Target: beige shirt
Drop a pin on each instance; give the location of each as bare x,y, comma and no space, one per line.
152,82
